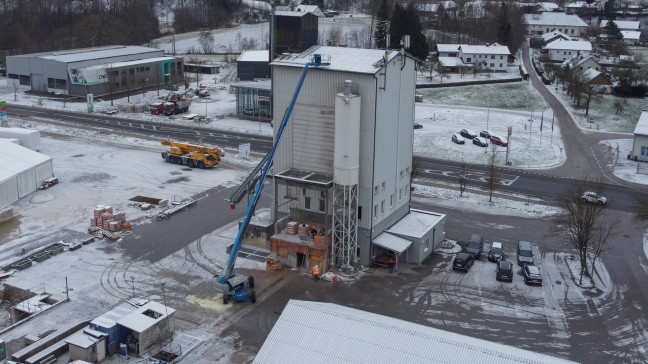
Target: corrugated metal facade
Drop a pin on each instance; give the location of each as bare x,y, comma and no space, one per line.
386,134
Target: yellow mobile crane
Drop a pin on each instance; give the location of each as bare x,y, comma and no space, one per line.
194,156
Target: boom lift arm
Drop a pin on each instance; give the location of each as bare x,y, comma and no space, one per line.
233,285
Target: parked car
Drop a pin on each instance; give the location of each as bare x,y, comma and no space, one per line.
463,261
171,87
467,133
496,252
497,140
458,139
479,141
504,271
485,134
524,253
418,126
475,246
593,197
532,275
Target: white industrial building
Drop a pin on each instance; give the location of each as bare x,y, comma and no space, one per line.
343,168
22,171
319,332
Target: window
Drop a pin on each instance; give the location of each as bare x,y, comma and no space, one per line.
406,188
400,194
383,186
501,65
427,244
493,56
376,190
391,201
501,57
376,210
492,65
307,203
322,204
643,150
467,60
382,207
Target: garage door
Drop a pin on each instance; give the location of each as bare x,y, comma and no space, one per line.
313,134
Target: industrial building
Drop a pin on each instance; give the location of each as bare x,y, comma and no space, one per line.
253,99
252,65
342,173
99,71
330,333
295,31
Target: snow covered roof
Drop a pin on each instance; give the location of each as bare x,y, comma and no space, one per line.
433,8
356,60
254,56
298,14
257,85
84,54
138,321
17,159
590,74
623,24
642,124
578,59
554,19
314,9
545,6
416,223
629,34
580,4
574,45
110,318
451,61
392,242
448,47
555,33
485,49
309,330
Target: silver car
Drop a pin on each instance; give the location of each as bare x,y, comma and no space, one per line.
593,197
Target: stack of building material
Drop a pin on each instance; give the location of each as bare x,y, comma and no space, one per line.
106,220
272,265
291,227
304,230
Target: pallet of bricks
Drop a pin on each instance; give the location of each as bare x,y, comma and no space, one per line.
104,218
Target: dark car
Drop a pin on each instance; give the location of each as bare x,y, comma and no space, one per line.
463,261
458,139
496,252
418,126
467,133
479,141
532,275
474,246
498,141
485,134
504,271
524,253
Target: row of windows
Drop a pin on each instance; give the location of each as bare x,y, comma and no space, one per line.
566,31
402,192
307,203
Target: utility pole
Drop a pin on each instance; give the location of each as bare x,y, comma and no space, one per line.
67,290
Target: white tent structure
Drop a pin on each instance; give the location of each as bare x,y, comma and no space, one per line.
21,172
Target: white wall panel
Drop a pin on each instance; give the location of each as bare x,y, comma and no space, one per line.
26,182
313,135
8,191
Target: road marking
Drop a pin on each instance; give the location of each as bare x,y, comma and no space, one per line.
502,178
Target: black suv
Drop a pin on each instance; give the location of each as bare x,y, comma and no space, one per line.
463,261
504,271
475,246
531,275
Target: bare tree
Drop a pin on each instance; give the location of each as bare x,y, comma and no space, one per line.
491,177
334,36
583,225
591,92
440,69
463,178
206,41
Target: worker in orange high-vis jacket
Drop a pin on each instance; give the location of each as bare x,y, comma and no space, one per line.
316,273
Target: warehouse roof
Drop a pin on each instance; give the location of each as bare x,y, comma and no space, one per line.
145,316
354,60
329,333
84,54
17,159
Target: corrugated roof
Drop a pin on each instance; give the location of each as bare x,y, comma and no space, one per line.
416,223
311,332
574,45
81,340
138,321
642,124
17,159
110,318
84,54
392,242
254,56
356,60
554,19
486,49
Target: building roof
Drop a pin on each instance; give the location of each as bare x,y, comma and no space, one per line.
110,318
580,5
139,321
415,224
623,24
392,242
298,14
81,340
355,60
254,56
590,74
574,45
256,85
642,124
554,34
85,54
546,6
452,62
309,9
96,74
448,47
554,19
310,331
486,49
17,159
629,34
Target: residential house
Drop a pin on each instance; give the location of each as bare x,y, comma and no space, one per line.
596,79
554,35
582,62
581,8
313,9
631,37
448,50
493,57
640,142
561,50
546,22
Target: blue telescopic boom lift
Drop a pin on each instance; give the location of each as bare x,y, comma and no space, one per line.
232,286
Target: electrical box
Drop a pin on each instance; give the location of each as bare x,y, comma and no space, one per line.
3,350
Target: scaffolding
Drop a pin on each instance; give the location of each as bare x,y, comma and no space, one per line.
345,228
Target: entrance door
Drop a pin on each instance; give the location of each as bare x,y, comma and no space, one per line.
301,260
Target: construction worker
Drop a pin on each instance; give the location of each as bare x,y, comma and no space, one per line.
316,273
391,265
